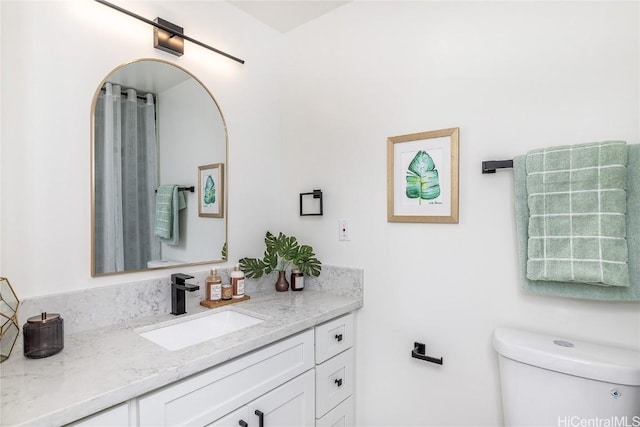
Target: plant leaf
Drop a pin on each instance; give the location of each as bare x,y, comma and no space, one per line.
270,241
306,261
423,181
280,251
270,260
209,191
421,163
252,267
288,248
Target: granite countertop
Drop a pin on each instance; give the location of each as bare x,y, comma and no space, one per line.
101,368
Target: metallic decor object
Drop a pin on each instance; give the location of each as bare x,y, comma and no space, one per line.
9,329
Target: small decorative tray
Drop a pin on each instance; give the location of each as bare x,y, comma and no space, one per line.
220,303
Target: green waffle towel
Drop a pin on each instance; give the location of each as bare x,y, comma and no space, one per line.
169,202
577,205
576,289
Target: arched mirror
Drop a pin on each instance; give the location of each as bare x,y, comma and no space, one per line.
159,168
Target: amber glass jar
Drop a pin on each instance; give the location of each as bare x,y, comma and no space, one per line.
297,280
227,291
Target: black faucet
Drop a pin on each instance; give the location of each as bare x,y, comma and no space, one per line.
178,286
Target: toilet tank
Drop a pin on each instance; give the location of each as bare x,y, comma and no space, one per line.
551,381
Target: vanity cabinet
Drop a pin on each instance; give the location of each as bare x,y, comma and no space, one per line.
304,380
206,397
334,372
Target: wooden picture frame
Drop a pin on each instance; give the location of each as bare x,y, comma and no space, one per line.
211,190
422,177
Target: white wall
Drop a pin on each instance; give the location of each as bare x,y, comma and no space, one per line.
54,55
513,76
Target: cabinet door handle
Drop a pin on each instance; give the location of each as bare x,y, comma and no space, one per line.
339,337
339,382
243,423
260,415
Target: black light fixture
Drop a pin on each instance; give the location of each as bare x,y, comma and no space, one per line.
169,42
310,206
168,37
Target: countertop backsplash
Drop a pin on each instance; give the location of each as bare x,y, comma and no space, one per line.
116,305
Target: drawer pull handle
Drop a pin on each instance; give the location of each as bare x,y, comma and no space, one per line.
339,337
339,382
260,415
243,423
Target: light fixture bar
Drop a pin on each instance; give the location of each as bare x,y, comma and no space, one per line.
168,30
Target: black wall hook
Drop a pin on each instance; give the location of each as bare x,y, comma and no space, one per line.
418,352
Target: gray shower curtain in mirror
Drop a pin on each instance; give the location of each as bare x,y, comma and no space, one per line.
125,180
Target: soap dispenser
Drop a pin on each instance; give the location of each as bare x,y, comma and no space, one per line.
237,282
213,285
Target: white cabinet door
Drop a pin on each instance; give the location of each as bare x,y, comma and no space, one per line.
290,405
205,397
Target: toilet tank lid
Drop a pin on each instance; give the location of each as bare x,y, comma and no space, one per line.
601,362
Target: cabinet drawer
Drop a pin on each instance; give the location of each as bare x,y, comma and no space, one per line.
334,337
334,382
340,416
205,397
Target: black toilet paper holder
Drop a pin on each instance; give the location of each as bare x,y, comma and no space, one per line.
418,352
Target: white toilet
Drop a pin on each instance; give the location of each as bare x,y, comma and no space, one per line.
550,381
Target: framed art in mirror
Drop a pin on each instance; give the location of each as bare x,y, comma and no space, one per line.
422,177
211,190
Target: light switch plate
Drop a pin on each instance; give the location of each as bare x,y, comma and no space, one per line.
344,230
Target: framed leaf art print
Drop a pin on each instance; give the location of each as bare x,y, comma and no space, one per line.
210,190
422,177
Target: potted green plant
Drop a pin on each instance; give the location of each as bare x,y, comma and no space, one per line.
281,252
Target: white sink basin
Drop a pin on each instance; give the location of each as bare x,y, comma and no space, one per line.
199,329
